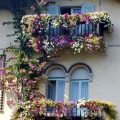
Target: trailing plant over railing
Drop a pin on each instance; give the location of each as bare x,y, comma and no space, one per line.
42,108
50,33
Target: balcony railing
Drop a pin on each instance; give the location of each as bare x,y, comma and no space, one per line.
71,114
81,29
48,32
44,109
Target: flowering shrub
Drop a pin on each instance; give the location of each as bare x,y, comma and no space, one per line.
38,28
38,108
37,23
22,73
23,77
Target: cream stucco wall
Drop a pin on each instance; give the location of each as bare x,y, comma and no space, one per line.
5,41
105,84
5,30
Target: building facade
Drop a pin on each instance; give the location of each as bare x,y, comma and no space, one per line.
76,76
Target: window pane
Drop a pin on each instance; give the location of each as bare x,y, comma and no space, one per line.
56,87
79,84
52,90
84,90
65,10
75,11
75,91
60,90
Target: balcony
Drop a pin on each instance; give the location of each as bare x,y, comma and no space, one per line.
72,114
79,32
81,28
43,109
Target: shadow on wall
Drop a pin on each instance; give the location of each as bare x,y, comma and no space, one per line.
117,1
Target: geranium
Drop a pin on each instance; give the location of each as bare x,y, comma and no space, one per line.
41,29
92,43
42,107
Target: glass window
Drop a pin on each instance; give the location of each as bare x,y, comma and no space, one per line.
75,10
56,84
79,84
65,10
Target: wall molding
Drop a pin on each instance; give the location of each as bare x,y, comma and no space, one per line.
113,45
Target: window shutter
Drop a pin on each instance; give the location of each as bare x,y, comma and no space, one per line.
87,8
60,90
75,91
53,9
1,91
76,11
84,90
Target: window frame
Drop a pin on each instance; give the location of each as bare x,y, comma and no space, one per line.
56,79
80,81
68,72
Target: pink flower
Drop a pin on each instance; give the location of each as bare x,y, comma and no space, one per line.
66,16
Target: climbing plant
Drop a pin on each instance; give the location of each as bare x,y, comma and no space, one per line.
23,75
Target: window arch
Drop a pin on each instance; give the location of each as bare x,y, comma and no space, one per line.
80,73
56,72
56,84
79,82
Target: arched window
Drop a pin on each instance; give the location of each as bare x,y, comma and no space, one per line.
56,84
79,84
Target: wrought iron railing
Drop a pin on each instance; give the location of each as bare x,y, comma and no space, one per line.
45,109
81,29
79,32
70,114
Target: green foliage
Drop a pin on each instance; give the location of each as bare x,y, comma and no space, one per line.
20,77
